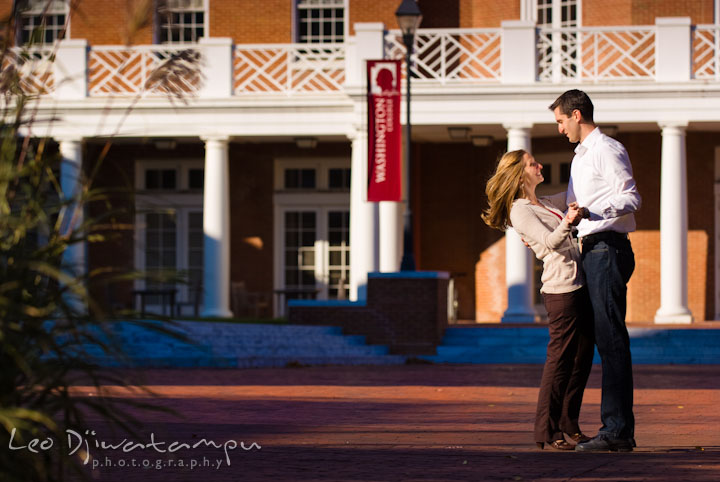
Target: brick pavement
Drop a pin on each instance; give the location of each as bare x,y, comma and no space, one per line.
410,423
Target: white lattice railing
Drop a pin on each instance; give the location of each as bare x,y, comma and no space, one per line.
143,70
450,56
706,52
30,68
288,68
596,54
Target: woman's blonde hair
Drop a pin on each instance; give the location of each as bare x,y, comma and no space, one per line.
503,188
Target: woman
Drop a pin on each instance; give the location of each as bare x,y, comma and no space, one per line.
542,225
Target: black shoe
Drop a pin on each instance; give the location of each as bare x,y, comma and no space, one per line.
606,443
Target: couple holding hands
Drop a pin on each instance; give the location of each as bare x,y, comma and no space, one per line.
584,285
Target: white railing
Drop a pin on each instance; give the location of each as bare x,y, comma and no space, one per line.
706,52
596,54
30,68
143,70
440,57
450,55
288,68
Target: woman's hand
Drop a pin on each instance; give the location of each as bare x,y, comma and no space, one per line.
574,214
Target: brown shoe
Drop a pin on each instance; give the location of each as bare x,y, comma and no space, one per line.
561,445
579,437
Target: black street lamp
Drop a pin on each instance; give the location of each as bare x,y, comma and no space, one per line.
408,18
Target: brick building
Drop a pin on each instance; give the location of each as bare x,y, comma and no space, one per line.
247,186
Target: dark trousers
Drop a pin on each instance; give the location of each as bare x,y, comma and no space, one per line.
608,262
567,366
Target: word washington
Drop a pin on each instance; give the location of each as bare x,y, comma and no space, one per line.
77,441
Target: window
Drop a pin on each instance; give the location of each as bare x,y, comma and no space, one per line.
299,178
181,21
338,261
170,176
300,235
339,179
169,226
556,171
557,13
560,48
320,21
312,229
42,22
160,248
160,179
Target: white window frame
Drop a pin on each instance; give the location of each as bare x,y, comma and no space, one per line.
552,161
159,22
296,19
59,7
556,12
181,201
321,200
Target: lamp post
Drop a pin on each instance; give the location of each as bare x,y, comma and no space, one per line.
408,18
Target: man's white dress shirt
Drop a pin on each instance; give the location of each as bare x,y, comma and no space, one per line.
601,180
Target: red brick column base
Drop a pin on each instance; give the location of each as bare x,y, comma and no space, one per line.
406,311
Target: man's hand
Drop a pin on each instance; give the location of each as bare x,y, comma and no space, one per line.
574,214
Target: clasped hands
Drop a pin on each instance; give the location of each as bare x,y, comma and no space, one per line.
575,214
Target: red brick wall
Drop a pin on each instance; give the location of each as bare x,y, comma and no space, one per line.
449,201
270,21
480,13
644,12
408,315
373,11
108,22
251,21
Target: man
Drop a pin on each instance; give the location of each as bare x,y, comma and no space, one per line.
601,180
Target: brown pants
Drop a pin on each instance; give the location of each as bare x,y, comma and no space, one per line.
567,366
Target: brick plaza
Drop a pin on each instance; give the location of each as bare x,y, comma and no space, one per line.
412,422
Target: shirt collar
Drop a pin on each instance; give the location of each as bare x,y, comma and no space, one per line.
589,141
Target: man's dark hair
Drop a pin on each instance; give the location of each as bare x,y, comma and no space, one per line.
574,99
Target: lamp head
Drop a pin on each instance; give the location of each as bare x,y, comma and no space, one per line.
408,17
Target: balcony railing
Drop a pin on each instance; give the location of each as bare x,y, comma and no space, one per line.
441,57
706,52
596,54
288,68
132,71
30,68
450,56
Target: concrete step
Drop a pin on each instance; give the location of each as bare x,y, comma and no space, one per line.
217,344
528,344
251,362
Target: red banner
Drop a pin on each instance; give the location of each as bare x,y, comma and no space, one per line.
384,131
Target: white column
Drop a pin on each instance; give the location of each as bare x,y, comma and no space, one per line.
363,220
216,228
673,49
217,68
518,257
673,227
368,43
71,185
391,233
74,257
